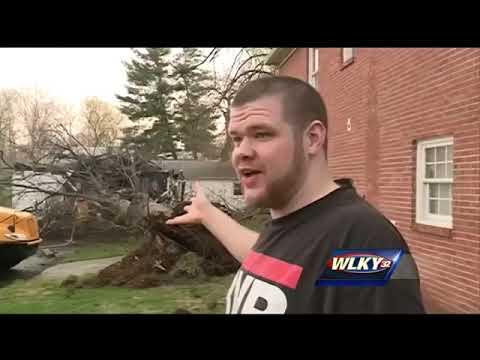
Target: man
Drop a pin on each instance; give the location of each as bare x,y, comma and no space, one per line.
278,126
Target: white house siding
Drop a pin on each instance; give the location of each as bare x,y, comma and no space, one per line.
218,190
24,198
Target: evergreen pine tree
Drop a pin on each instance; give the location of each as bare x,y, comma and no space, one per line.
194,115
150,96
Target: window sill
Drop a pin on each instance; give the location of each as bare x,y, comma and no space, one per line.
347,63
433,230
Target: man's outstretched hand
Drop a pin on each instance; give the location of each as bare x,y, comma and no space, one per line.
237,239
195,211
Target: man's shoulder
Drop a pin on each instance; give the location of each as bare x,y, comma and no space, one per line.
356,209
349,211
360,224
362,212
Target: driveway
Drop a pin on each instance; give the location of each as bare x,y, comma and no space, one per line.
77,268
27,269
45,267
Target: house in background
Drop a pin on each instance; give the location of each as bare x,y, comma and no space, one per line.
25,199
404,124
156,177
217,178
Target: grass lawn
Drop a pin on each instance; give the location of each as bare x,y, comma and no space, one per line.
42,297
89,250
37,296
5,198
5,192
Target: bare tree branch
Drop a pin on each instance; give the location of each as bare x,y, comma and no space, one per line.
211,56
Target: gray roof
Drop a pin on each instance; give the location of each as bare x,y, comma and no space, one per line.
201,169
277,55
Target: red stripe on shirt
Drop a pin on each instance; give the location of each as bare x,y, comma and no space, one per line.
273,269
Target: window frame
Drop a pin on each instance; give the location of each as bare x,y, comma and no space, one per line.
312,60
422,193
348,61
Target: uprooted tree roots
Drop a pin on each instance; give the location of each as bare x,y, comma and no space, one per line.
179,251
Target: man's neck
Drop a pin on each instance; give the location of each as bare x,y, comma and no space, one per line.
308,193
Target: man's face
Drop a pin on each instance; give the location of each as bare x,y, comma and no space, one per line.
267,156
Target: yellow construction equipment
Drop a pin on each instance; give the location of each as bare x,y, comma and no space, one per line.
19,237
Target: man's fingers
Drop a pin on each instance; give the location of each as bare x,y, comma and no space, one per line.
197,187
183,219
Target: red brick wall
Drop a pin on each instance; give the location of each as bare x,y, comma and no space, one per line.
395,97
346,93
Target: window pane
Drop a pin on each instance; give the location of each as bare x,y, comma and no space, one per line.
347,54
441,154
449,153
430,171
440,171
450,170
433,206
433,192
430,154
445,191
445,207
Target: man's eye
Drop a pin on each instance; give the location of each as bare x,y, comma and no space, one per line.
261,135
236,139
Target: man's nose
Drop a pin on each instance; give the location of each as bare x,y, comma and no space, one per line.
244,149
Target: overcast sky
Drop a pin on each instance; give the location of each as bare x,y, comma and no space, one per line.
70,74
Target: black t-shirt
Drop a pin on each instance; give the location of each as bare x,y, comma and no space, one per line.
280,273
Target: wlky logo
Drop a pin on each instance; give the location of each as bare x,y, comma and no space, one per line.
365,267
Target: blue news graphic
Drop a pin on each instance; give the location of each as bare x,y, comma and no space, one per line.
360,267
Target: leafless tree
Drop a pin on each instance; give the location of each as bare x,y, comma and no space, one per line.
76,177
8,98
35,114
247,64
101,123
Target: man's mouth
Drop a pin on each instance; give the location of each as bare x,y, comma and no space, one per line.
249,177
248,173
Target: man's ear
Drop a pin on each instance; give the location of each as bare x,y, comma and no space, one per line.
315,137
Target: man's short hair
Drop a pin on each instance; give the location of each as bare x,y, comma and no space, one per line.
302,104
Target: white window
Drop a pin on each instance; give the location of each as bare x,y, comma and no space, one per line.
347,55
435,182
313,66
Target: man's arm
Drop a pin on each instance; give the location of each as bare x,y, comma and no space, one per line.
237,239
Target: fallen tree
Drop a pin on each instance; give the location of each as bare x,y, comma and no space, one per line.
172,251
119,190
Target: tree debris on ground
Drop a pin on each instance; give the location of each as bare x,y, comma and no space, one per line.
122,192
172,252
